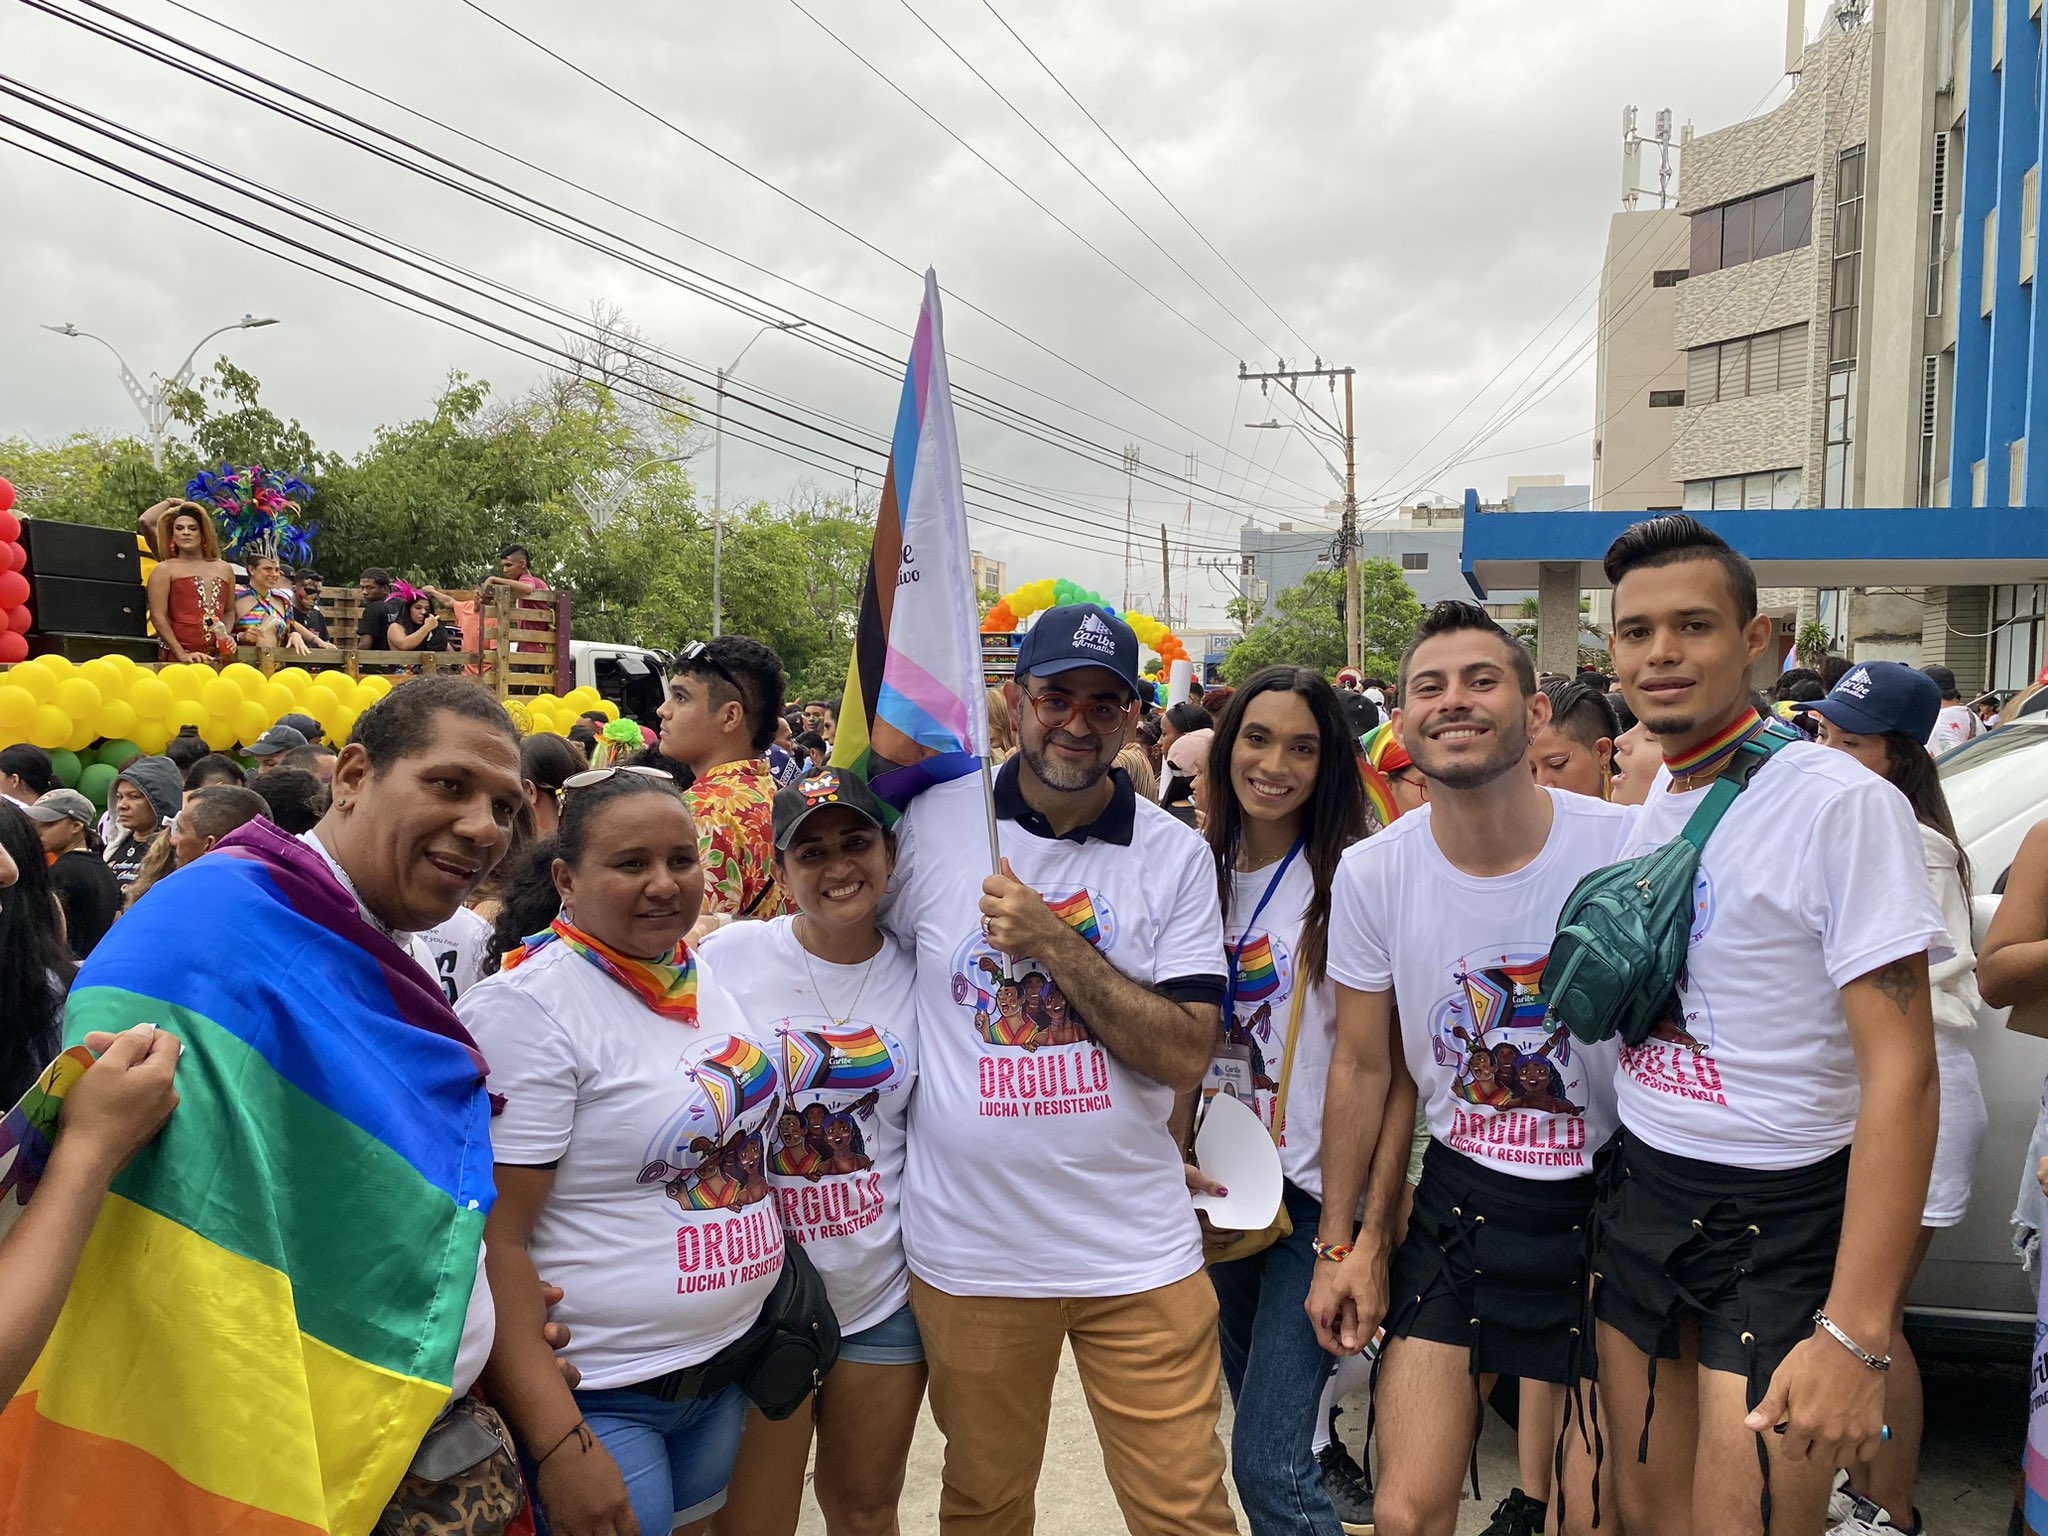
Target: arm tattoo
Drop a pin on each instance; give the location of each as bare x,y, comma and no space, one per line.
1901,982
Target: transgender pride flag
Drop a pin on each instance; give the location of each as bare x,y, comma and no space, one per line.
915,711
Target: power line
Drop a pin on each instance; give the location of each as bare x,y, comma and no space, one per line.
1113,144
1119,208
877,361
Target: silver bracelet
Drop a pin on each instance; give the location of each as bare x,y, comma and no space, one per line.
1875,1362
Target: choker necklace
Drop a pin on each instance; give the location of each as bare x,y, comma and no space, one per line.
667,986
839,1020
1706,760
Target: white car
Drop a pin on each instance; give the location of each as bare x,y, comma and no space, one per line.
1971,1293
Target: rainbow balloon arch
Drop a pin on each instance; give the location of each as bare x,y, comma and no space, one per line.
1035,596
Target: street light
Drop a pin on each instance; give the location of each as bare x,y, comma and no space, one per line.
154,399
603,502
718,476
1275,425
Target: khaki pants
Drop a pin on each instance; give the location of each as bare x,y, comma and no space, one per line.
1150,1368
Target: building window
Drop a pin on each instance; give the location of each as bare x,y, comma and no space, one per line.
1987,279
1751,228
1937,230
1761,491
1414,560
1667,277
1848,261
1930,421
2030,214
2017,622
2016,472
1838,482
1659,398
1748,365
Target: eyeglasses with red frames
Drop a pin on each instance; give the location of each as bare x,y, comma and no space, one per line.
1055,710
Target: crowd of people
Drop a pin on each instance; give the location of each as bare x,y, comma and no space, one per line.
800,1115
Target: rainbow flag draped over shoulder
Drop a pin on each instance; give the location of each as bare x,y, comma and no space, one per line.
915,712
265,1320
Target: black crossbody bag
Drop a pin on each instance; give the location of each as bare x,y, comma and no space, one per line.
780,1361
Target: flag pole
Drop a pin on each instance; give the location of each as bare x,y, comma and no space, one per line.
988,803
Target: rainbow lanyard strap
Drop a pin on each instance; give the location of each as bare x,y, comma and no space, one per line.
1714,752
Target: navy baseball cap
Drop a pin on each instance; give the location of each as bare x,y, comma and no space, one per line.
1875,697
1079,635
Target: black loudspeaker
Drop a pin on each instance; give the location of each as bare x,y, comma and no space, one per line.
79,550
67,605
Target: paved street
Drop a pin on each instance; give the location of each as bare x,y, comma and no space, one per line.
1976,1421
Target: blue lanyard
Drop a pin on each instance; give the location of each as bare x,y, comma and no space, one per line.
1237,949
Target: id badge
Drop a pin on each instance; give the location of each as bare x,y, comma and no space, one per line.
1230,1071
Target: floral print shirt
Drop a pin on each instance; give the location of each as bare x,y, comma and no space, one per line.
733,807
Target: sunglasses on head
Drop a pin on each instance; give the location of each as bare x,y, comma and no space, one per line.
698,654
591,776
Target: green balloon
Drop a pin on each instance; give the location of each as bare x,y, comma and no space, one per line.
95,782
116,754
65,765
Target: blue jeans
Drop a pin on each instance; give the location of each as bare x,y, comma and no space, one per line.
1275,1370
676,1458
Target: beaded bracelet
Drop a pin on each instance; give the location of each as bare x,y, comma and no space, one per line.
1334,1253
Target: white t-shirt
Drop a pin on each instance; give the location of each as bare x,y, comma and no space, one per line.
456,949
660,1228
1814,878
1040,1164
1268,970
1463,954
846,1101
1956,724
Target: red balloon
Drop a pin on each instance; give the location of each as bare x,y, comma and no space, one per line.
13,589
12,557
10,525
19,619
6,494
13,647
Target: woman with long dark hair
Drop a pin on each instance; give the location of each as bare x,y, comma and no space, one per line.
35,963
1881,714
1283,800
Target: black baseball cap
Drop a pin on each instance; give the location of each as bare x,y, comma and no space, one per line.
1079,635
279,738
811,792
1944,679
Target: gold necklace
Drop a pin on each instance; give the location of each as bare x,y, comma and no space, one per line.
819,992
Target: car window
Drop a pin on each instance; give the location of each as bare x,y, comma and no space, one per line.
1996,747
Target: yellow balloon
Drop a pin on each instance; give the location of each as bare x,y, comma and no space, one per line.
297,679
83,734
17,708
57,666
221,698
218,732
116,719
336,682
151,696
104,675
275,699
34,681
373,688
150,735
50,729
186,712
185,680
611,710
344,722
242,675
251,721
126,665
78,699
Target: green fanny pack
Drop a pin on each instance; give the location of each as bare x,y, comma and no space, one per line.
1624,930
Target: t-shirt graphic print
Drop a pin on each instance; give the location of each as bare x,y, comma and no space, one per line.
1490,1032
1015,1006
711,1154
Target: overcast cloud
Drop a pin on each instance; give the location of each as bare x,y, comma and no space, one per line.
1418,188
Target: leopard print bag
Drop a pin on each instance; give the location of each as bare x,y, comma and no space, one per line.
481,1499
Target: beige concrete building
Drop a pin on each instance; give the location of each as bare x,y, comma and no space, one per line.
990,577
1639,381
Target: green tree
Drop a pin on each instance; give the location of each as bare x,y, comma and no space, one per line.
1308,630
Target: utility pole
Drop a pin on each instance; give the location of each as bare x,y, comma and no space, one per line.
1130,469
1347,536
1165,580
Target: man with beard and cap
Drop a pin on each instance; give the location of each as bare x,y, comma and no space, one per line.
1439,926
1045,1203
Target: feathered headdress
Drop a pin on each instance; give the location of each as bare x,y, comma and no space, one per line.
255,509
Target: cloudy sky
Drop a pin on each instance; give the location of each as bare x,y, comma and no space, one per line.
1421,191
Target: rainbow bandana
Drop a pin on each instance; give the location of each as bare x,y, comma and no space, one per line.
669,987
1718,748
